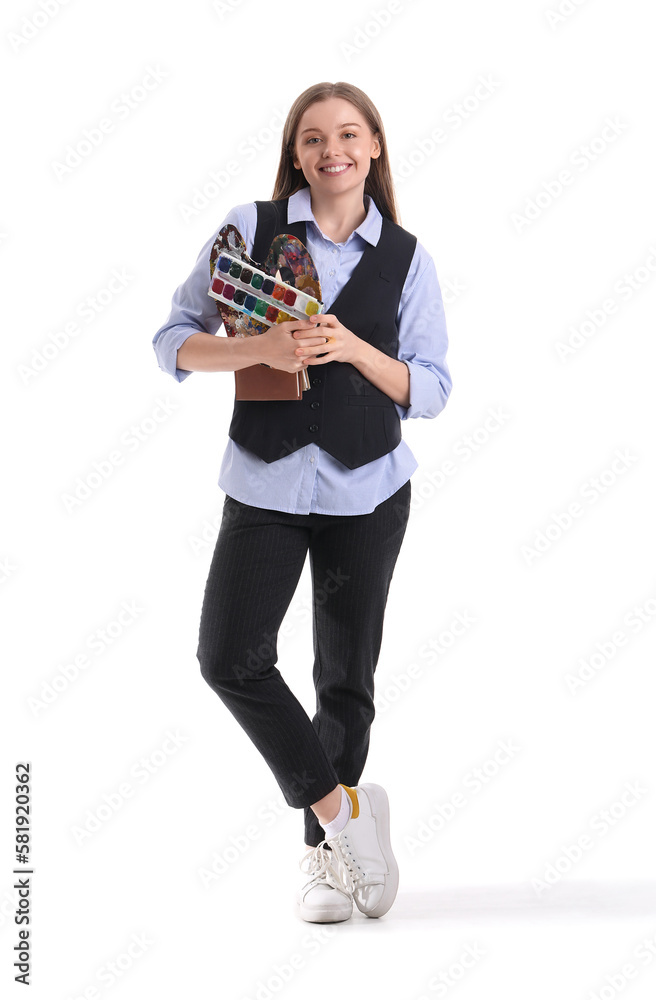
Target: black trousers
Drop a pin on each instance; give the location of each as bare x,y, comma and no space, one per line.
255,569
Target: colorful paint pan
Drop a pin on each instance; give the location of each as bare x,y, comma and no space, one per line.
255,292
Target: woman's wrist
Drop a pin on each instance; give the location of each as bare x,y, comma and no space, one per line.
246,351
388,374
205,352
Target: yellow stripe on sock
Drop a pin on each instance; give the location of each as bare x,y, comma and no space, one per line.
352,794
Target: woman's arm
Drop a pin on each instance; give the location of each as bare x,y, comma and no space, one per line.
389,375
205,352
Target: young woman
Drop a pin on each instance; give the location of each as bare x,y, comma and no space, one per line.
328,474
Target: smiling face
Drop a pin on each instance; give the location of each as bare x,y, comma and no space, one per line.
334,146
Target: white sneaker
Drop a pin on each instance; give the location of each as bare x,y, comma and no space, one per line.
324,896
364,852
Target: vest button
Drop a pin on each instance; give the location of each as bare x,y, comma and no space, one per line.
316,381
315,405
313,427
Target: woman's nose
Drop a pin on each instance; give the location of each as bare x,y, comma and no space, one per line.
332,149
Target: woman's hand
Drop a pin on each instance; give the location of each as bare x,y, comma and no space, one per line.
336,343
277,346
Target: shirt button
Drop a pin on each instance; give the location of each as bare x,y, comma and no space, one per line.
332,272
313,427
315,405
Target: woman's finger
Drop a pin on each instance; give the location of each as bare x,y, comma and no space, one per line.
314,342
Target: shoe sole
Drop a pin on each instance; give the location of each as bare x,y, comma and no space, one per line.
319,916
380,811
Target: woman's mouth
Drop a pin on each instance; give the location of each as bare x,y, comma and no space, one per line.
335,169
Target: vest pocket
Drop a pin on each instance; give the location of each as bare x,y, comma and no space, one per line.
381,400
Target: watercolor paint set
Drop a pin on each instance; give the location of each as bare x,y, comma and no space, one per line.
249,290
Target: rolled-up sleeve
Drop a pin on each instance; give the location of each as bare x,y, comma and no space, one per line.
192,309
423,340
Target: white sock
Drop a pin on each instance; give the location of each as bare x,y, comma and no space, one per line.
337,824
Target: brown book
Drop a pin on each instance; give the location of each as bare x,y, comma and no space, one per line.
262,382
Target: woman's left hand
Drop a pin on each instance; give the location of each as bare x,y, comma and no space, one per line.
342,344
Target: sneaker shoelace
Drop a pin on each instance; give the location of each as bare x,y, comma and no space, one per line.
350,871
324,866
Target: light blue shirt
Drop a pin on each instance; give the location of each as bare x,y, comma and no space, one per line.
310,480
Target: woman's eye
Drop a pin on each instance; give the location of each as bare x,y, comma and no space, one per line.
312,140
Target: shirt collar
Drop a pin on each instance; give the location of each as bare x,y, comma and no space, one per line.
299,209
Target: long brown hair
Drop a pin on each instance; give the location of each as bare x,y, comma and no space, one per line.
378,184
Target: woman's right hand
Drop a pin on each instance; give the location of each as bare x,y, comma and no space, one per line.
277,347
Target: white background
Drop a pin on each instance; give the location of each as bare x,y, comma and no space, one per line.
144,536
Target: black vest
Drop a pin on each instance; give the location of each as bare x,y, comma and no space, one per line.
342,412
